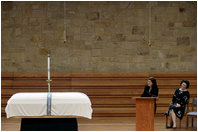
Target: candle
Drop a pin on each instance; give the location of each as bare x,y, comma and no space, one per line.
48,67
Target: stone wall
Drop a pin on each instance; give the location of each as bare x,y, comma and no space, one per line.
102,37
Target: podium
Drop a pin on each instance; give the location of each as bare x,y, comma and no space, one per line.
145,111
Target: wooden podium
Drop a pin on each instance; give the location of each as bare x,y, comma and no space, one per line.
145,113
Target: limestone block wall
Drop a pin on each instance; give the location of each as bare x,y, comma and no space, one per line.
102,37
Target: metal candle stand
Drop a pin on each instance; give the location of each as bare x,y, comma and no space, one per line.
48,81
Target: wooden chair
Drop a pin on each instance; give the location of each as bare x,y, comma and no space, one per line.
193,113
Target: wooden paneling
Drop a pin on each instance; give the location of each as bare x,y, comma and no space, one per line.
110,94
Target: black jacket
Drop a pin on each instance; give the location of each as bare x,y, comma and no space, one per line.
152,93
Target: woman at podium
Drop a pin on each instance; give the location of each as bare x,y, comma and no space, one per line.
180,99
151,89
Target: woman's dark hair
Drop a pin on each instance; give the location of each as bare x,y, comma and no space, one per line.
153,80
185,81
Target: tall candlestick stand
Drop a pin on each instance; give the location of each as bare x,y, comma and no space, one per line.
48,65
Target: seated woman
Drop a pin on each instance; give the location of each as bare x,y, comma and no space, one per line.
151,90
180,99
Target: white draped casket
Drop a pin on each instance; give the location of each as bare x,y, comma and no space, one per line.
41,104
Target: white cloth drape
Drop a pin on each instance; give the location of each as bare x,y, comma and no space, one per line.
62,104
